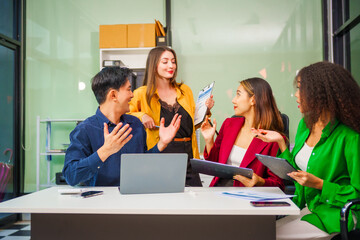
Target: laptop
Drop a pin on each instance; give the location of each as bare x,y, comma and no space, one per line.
153,173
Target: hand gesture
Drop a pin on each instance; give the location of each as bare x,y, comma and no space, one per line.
148,122
207,130
114,141
270,136
307,179
267,135
209,103
167,134
250,182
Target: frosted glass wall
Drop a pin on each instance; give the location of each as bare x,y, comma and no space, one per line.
222,41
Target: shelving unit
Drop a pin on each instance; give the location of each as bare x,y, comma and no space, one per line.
48,150
133,58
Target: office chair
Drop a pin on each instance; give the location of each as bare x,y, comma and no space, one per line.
60,179
289,185
286,123
344,214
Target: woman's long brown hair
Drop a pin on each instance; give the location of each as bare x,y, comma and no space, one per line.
267,115
151,71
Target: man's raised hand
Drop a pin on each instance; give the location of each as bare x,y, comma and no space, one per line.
115,140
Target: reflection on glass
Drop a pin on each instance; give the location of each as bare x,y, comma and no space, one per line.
247,39
354,8
6,18
82,86
7,57
355,52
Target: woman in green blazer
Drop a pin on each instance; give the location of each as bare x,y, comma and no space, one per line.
326,152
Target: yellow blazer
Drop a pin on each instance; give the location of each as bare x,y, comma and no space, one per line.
139,107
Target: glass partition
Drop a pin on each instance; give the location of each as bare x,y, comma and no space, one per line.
230,41
7,18
224,41
7,125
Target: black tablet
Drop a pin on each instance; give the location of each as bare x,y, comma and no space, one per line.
279,166
219,169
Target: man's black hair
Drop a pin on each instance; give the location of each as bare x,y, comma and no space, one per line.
109,78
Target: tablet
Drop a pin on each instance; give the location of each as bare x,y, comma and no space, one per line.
279,166
200,108
219,169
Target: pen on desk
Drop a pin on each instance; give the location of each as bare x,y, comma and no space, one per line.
212,126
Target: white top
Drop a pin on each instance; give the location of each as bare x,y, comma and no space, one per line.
195,200
303,156
236,156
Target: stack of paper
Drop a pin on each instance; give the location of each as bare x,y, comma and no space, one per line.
254,195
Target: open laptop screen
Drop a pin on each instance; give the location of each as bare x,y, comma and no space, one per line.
153,173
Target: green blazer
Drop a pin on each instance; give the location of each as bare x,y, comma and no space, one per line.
336,160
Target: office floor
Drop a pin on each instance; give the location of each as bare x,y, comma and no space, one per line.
17,231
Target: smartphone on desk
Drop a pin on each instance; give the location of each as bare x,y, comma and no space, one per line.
269,204
91,193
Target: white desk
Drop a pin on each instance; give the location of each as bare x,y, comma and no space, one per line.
198,213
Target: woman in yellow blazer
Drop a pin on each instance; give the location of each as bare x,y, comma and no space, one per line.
162,97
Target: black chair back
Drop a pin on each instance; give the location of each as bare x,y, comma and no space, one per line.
286,123
344,214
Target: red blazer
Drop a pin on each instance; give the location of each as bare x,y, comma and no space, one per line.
224,143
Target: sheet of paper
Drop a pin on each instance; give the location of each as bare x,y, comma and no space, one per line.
256,195
200,108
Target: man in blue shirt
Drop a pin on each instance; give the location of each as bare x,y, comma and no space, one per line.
96,144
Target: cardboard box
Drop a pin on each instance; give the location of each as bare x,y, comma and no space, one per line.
141,35
113,36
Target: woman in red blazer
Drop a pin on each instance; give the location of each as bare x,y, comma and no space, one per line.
236,144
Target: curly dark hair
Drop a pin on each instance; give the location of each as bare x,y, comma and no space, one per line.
329,88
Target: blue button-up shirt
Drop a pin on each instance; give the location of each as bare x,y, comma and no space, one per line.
82,163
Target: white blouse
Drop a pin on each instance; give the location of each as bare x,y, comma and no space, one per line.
236,156
303,156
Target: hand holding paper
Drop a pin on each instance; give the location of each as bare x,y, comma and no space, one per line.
203,102
209,103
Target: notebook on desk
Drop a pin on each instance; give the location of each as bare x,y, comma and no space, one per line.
153,173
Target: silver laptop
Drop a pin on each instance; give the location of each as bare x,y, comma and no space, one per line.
153,173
